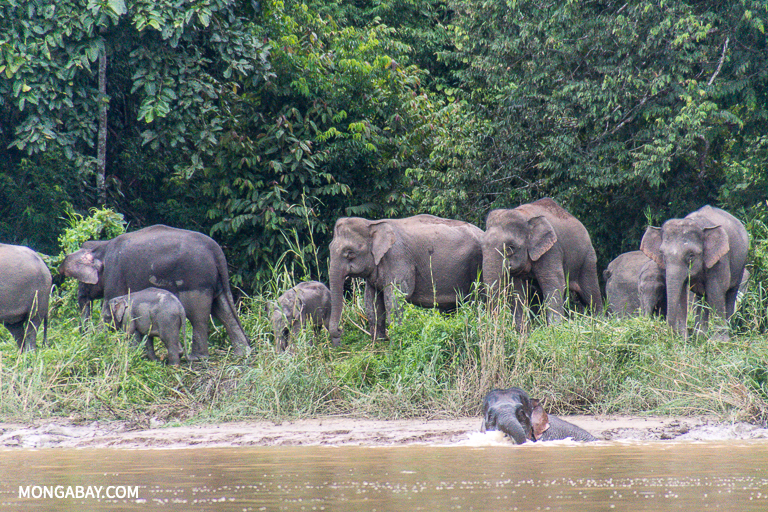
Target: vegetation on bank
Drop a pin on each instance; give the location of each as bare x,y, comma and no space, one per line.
434,365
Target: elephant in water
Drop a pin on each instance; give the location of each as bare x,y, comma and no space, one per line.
151,312
523,419
25,290
540,243
432,262
305,303
188,264
704,253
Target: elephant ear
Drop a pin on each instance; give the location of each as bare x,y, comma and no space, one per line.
383,239
715,245
118,307
539,420
541,237
651,245
83,265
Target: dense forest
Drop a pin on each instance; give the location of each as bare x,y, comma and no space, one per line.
261,122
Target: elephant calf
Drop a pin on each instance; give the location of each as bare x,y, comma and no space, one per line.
153,313
523,419
305,303
634,282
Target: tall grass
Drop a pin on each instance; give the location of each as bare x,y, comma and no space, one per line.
433,365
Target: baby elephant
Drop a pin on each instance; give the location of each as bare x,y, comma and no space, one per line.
306,302
151,312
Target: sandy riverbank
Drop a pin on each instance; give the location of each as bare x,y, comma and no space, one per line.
336,431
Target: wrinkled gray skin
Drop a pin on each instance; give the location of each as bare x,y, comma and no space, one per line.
431,261
307,303
523,419
540,242
152,313
25,289
509,410
634,283
190,265
652,289
551,428
705,252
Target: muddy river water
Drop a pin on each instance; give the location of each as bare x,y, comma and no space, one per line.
652,476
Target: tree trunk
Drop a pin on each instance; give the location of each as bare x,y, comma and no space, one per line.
101,148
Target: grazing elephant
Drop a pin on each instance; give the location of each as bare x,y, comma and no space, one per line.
523,419
151,312
431,261
705,252
305,303
188,264
634,282
540,242
25,289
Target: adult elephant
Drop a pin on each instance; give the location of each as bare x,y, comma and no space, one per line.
540,243
704,252
25,289
634,283
190,265
431,261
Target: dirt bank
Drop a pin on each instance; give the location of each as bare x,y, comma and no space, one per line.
345,432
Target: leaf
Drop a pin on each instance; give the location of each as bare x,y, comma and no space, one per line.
118,6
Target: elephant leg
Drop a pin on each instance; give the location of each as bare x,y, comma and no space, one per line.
149,348
374,309
553,288
715,298
730,302
589,289
224,312
521,301
22,333
198,309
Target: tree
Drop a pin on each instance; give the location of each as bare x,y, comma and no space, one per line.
614,108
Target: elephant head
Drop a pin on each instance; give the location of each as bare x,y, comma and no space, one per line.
511,411
512,243
652,289
86,265
684,250
114,314
357,249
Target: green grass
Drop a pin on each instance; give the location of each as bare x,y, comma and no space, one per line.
433,365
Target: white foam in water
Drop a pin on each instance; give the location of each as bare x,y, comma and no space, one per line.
488,438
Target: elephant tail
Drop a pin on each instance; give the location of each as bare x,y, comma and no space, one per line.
226,307
45,330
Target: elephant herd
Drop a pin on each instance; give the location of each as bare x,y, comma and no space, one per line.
534,249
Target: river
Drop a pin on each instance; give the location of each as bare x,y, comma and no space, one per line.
604,476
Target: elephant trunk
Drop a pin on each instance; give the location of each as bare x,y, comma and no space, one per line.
677,301
337,278
507,422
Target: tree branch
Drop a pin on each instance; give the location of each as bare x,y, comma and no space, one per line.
720,64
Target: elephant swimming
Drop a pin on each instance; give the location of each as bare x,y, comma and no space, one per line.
523,419
151,312
25,289
704,252
431,261
540,243
306,303
190,265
